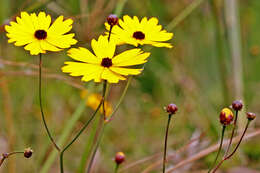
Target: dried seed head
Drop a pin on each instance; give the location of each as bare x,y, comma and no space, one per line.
250,116
120,158
171,108
112,19
28,152
226,116
237,105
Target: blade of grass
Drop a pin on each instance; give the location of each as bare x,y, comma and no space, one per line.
186,12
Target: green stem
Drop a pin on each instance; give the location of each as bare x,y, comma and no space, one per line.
82,129
121,98
40,100
116,168
238,144
65,135
219,149
88,147
232,134
165,141
6,155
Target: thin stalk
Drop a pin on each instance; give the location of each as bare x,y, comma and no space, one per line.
96,148
121,98
88,146
232,134
64,135
116,168
238,144
41,107
165,141
110,31
82,129
6,155
219,149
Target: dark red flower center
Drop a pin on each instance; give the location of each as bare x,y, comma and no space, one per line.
40,34
139,35
106,62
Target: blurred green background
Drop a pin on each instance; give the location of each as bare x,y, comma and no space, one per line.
214,61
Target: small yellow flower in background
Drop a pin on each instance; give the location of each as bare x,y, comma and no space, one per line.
94,99
37,33
135,32
104,64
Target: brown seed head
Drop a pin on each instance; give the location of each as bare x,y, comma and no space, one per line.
237,105
226,116
171,108
120,158
112,19
28,152
250,116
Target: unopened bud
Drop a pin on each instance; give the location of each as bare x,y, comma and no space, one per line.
237,105
120,157
112,19
250,115
171,108
226,116
28,152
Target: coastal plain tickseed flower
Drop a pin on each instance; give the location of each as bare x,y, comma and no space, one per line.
94,99
135,32
37,33
226,116
104,65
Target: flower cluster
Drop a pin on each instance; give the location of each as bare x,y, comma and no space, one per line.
38,34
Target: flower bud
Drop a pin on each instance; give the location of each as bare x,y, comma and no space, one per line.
120,158
250,116
112,19
28,152
171,108
237,105
226,116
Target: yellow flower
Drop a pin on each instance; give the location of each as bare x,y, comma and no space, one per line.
135,32
104,65
94,99
37,33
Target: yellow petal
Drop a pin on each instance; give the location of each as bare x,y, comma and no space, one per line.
159,44
60,27
61,41
44,21
34,48
47,46
130,57
88,71
126,71
111,77
84,55
102,48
